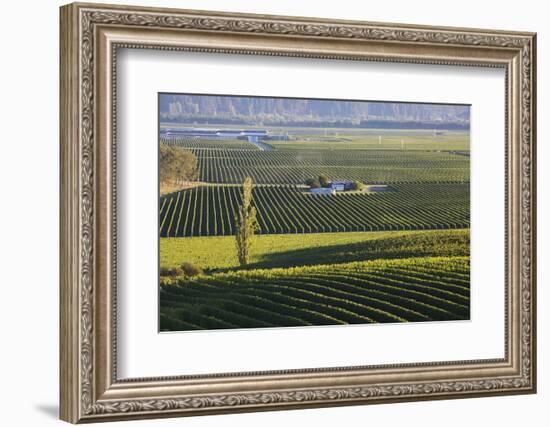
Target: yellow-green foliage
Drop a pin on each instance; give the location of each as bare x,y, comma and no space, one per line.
246,223
378,291
442,263
211,253
176,164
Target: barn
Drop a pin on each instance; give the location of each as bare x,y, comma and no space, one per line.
322,191
341,185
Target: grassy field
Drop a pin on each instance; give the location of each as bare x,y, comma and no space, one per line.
376,139
280,250
402,290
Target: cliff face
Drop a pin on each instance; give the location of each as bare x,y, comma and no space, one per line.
285,110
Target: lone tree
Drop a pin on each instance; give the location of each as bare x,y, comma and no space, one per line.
246,223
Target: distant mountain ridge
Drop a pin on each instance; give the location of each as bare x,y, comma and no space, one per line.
290,111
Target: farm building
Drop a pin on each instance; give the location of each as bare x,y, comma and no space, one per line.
252,138
241,134
323,191
341,185
216,133
252,135
211,133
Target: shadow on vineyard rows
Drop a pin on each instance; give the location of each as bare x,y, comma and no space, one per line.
381,291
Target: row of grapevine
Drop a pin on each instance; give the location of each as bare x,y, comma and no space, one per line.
294,167
253,158
210,210
405,290
203,143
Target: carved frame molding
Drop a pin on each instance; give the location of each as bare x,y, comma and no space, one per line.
90,390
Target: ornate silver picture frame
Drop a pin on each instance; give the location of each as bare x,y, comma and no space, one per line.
91,34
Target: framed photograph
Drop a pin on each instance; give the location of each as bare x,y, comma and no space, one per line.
267,212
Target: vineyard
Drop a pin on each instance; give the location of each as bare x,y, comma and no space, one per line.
400,254
229,166
210,144
210,210
403,290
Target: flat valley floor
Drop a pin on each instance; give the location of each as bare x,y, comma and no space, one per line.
354,257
